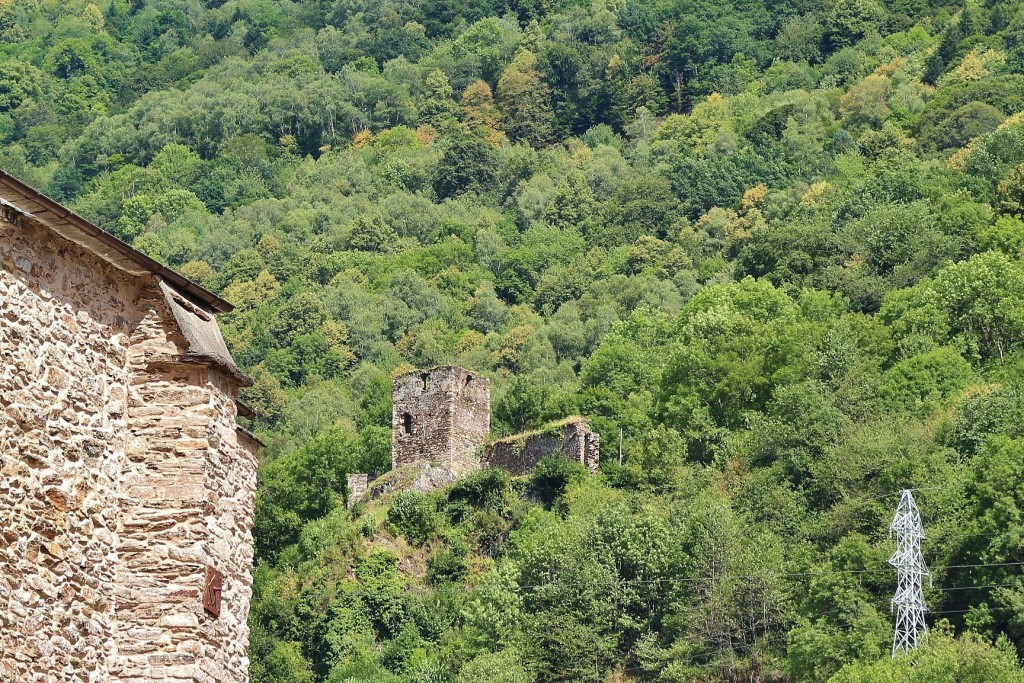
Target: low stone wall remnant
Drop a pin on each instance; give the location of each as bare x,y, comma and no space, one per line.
358,484
519,454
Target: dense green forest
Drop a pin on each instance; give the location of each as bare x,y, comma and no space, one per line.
777,243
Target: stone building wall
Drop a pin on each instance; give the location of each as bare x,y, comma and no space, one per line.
440,416
582,444
64,334
189,485
231,462
123,477
519,454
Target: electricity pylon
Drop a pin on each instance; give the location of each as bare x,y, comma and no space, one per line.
908,601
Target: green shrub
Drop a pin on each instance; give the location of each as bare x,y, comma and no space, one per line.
552,476
494,667
926,380
414,516
449,563
483,489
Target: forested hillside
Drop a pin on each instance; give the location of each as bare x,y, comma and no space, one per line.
774,244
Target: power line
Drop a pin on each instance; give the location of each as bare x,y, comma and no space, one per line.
975,566
972,609
862,499
722,577
770,575
781,637
984,586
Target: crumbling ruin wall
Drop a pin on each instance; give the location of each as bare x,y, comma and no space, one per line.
123,477
358,485
440,416
582,444
519,454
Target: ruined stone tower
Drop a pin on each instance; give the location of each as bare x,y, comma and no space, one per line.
440,416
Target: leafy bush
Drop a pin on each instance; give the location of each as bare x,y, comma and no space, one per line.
494,667
943,659
485,488
552,476
448,564
920,383
414,515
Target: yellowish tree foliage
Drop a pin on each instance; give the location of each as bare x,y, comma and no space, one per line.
979,63
815,194
866,104
699,130
525,101
754,197
362,139
479,111
93,16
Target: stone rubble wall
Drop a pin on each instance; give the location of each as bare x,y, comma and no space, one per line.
190,489
442,417
64,328
231,464
122,477
519,454
160,573
582,444
358,485
471,420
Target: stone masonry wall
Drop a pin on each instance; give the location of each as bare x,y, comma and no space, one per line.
358,485
519,454
582,444
64,327
189,488
228,509
123,477
442,416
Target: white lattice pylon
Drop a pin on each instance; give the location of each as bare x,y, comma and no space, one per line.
908,601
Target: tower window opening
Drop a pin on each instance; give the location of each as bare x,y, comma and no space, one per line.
425,377
407,423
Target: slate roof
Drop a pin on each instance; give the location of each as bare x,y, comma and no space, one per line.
23,199
192,306
201,332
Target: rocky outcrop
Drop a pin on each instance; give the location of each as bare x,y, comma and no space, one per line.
422,477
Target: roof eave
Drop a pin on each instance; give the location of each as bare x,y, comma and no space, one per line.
41,208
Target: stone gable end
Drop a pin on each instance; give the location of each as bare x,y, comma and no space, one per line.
123,474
